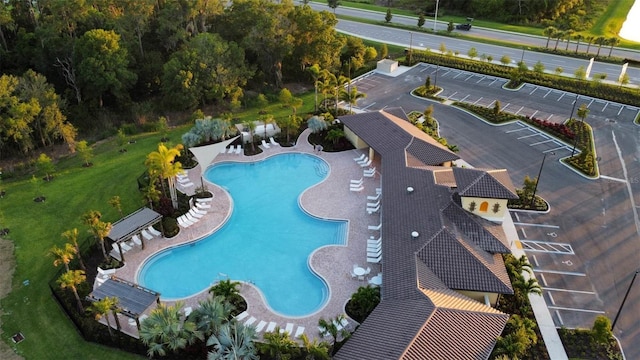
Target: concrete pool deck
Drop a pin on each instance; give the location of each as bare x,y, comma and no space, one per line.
330,199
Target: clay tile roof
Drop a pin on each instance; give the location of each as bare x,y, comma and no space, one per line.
493,184
444,176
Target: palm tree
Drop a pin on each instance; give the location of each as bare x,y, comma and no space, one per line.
351,96
267,119
211,314
227,119
315,72
289,122
150,194
589,39
295,103
327,85
62,255
102,307
116,204
330,327
363,301
234,341
314,350
341,81
600,40
517,322
102,230
578,38
511,346
583,112
334,135
549,31
558,35
523,287
568,35
279,345
71,280
251,126
162,164
72,235
613,41
165,330
227,289
516,266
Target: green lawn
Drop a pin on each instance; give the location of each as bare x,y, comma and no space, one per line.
36,227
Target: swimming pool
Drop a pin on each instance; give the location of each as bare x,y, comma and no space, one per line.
266,241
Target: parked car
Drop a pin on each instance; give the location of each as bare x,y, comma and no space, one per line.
466,27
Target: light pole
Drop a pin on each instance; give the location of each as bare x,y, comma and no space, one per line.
613,325
410,46
575,141
435,18
535,188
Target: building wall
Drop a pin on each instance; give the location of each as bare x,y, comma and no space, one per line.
485,207
354,139
480,296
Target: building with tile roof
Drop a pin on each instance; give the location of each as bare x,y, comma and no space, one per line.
441,247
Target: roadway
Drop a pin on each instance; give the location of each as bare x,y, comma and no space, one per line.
586,249
420,40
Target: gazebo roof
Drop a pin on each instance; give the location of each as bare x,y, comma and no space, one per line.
133,299
133,223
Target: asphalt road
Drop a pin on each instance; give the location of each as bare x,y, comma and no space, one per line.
423,41
586,249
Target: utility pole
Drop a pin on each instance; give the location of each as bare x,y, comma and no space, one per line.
435,18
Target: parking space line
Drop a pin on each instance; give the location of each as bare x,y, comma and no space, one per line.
559,318
449,97
465,98
567,290
605,106
613,179
534,113
526,136
561,96
534,90
540,225
477,100
470,76
482,78
551,300
541,142
522,107
549,117
543,280
516,130
493,82
460,73
365,108
621,107
506,106
554,149
574,309
548,92
524,234
448,71
591,102
560,272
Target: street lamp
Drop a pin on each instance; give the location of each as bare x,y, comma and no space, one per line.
410,46
613,325
535,188
435,18
575,141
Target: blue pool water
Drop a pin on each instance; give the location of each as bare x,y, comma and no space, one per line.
266,241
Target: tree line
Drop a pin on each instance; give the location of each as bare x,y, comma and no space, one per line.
78,65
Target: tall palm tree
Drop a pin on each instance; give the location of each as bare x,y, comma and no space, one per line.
315,72
267,119
227,289
589,39
511,345
517,265
351,96
102,308
549,31
116,204
102,230
227,119
341,81
72,236
166,330
579,37
62,255
517,322
251,126
71,280
600,40
327,85
523,287
558,35
279,345
568,35
613,41
234,341
150,194
295,103
314,350
330,327
211,314
162,164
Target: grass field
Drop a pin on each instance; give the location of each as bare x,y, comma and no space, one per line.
36,227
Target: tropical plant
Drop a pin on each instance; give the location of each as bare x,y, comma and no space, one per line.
601,330
549,32
351,96
234,341
71,280
62,255
314,350
150,194
116,204
388,16
251,126
523,287
166,330
334,135
72,236
162,165
85,152
333,328
515,266
45,166
211,314
228,290
317,123
612,41
362,302
279,345
266,120
101,231
102,308
583,112
421,21
315,72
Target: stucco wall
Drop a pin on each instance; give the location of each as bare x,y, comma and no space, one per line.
480,210
479,296
354,139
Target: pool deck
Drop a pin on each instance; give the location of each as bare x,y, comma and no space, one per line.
329,199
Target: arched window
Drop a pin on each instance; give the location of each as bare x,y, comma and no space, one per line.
484,206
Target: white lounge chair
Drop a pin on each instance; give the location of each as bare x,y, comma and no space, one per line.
373,204
182,175
378,190
186,185
195,214
366,158
372,210
231,150
125,247
146,235
357,188
250,321
105,274
299,331
238,149
136,240
373,198
369,174
360,158
153,231
183,180
357,182
374,248
188,310
264,144
191,218
197,210
204,200
288,329
241,316
374,242
273,142
374,260
261,326
366,164
223,150
184,222
375,227
374,254
203,206
272,326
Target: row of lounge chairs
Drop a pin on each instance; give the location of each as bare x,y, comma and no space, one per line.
232,150
197,211
184,181
269,326
269,144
